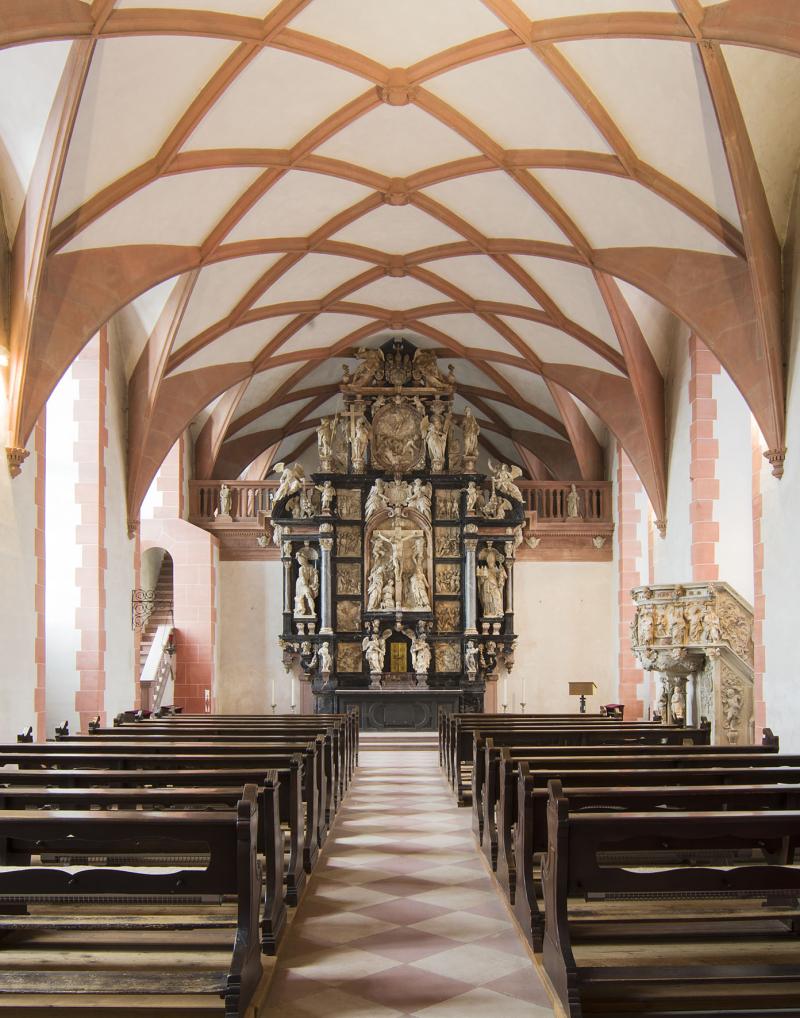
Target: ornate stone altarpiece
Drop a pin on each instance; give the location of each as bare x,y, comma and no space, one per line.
698,640
386,541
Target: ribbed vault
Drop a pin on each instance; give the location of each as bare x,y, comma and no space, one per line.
543,191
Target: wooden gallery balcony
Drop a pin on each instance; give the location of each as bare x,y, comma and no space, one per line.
562,524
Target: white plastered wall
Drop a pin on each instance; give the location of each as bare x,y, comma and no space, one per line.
781,501
17,618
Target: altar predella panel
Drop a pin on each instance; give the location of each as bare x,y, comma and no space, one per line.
397,555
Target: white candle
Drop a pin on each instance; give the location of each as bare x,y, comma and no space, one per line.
294,694
274,697
524,697
505,691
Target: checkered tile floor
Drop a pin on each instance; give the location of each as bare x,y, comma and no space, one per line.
401,917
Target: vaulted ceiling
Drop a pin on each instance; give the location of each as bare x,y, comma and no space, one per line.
547,192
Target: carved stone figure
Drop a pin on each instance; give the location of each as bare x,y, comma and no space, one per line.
370,370
359,443
307,586
448,657
471,658
492,578
504,478
732,703
225,500
327,495
711,624
376,500
419,589
324,658
645,627
325,434
470,429
398,365
420,498
675,623
435,430
496,507
420,650
348,656
301,506
455,456
573,503
447,505
448,615
292,480
397,441
349,501
447,544
474,501
348,616
677,704
736,627
425,370
374,647
348,578
380,574
694,620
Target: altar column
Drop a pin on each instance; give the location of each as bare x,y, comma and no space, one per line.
326,546
470,605
510,580
286,558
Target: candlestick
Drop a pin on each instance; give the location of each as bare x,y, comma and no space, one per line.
505,707
274,694
505,690
273,707
294,693
522,705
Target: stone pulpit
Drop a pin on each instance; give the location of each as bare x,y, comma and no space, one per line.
398,557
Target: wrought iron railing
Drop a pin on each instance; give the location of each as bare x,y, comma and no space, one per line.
143,604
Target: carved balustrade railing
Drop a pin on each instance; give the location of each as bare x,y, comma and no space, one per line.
551,501
250,501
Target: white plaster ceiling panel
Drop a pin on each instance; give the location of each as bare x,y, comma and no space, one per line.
264,385
497,207
136,92
517,101
660,327
327,372
599,430
397,230
552,346
616,212
22,121
670,101
233,347
217,291
568,8
519,420
397,34
135,322
468,373
504,446
575,291
312,278
397,294
245,8
296,205
397,141
275,418
181,209
323,331
471,331
289,95
287,449
768,88
482,279
530,386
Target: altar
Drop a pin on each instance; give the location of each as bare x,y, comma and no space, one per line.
398,554
396,710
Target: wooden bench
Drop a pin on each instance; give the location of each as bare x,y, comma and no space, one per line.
681,941
55,900
606,790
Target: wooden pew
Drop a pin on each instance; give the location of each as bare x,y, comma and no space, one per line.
231,838
187,757
660,782
617,937
290,799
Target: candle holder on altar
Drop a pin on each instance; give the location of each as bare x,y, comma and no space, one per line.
582,689
273,707
522,705
505,707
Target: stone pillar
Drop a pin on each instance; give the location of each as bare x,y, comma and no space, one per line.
326,546
470,592
509,605
286,558
691,701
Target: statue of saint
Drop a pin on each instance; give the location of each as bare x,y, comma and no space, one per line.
307,586
492,578
420,498
325,433
573,502
435,430
471,430
474,500
418,589
359,442
327,495
677,705
376,500
325,659
420,650
224,500
378,575
471,657
712,632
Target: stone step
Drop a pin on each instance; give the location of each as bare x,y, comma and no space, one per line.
398,740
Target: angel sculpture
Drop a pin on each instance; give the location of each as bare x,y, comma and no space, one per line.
292,480
420,498
374,648
420,650
503,478
371,369
327,495
425,371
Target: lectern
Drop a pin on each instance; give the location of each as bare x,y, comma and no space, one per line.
582,689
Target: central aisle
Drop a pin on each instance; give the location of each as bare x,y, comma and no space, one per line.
400,917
